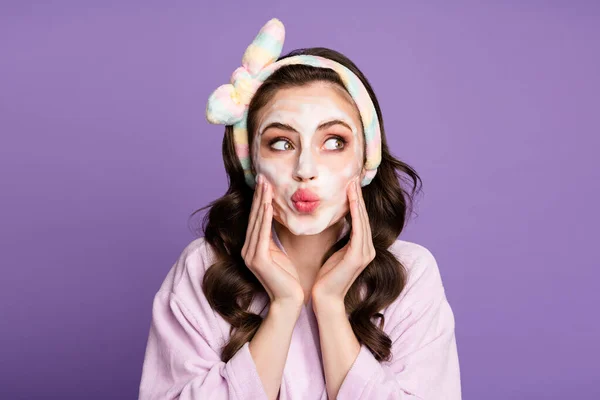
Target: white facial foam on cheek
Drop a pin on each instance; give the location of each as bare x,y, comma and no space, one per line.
338,185
278,174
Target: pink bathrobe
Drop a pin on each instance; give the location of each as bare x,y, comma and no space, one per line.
182,359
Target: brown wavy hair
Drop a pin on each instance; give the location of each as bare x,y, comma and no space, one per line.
230,286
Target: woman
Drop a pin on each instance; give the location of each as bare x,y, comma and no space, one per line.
300,288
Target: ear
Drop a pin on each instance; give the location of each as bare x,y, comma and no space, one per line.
363,172
366,176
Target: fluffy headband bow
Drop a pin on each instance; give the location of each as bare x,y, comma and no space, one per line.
228,104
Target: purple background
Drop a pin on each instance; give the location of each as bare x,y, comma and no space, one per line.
105,153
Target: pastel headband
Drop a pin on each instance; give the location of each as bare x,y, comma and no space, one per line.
228,104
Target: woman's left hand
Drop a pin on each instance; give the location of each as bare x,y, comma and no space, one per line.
336,276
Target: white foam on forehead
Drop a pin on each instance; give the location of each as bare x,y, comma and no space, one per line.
305,113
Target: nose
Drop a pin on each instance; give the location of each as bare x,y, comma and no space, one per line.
306,168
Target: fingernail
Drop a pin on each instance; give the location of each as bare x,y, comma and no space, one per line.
264,186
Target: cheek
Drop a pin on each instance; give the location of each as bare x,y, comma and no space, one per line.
340,174
351,169
335,182
272,169
279,175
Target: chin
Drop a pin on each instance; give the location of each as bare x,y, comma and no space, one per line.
308,230
305,225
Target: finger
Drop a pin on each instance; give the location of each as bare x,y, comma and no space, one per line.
368,237
351,191
352,198
257,194
258,222
254,210
356,234
265,229
362,246
255,219
364,218
360,202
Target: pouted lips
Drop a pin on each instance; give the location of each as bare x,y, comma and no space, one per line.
305,200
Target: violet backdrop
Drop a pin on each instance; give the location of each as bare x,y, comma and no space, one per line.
106,152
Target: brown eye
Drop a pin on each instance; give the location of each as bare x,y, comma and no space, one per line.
335,143
281,145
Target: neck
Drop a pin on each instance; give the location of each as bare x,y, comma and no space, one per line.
307,251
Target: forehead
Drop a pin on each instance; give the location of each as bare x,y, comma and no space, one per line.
318,99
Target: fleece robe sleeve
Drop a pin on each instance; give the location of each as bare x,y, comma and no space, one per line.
182,353
425,360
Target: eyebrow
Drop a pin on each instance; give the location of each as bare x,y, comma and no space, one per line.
289,128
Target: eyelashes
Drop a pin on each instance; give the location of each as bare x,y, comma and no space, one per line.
288,142
276,140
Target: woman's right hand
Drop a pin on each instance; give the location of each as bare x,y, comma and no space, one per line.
263,257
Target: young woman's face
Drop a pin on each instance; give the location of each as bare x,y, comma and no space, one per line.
309,146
